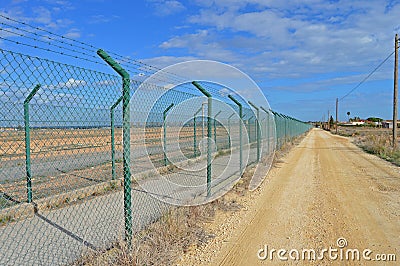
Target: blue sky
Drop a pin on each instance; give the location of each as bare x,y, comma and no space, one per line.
302,53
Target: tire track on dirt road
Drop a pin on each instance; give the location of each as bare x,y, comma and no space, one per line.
325,189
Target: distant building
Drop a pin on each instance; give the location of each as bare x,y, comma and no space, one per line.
389,124
357,123
377,124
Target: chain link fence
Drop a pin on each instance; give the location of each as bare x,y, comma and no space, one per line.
88,158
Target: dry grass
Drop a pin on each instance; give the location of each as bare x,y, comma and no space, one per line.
376,141
176,232
380,146
286,147
162,242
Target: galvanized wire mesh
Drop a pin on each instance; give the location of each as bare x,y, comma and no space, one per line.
87,161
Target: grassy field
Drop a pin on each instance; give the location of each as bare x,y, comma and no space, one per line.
376,141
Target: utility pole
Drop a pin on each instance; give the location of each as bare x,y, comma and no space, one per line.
396,65
329,121
337,106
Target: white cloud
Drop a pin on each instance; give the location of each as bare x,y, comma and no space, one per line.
301,38
164,61
184,41
46,16
72,83
7,32
73,33
330,83
201,44
169,7
298,46
42,15
107,83
99,19
18,1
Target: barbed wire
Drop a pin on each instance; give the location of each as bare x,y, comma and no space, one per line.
50,44
82,45
148,66
51,33
50,50
89,58
82,52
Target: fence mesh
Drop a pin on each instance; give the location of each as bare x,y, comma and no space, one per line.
82,167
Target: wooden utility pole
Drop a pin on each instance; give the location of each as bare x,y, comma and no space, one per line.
337,105
329,121
396,65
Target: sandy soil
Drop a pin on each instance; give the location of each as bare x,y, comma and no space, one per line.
326,188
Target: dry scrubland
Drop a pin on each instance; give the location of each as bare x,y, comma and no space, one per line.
376,141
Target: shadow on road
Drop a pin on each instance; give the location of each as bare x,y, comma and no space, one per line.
67,232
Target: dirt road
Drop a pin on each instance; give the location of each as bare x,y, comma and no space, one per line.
324,189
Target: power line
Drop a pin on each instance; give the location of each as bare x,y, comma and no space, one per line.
368,76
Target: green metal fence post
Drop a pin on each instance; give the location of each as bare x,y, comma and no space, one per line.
269,131
257,121
249,128
126,142
229,130
277,128
240,132
215,128
282,129
113,138
202,119
165,134
28,143
262,136
285,121
194,132
292,127
266,128
209,109
286,128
